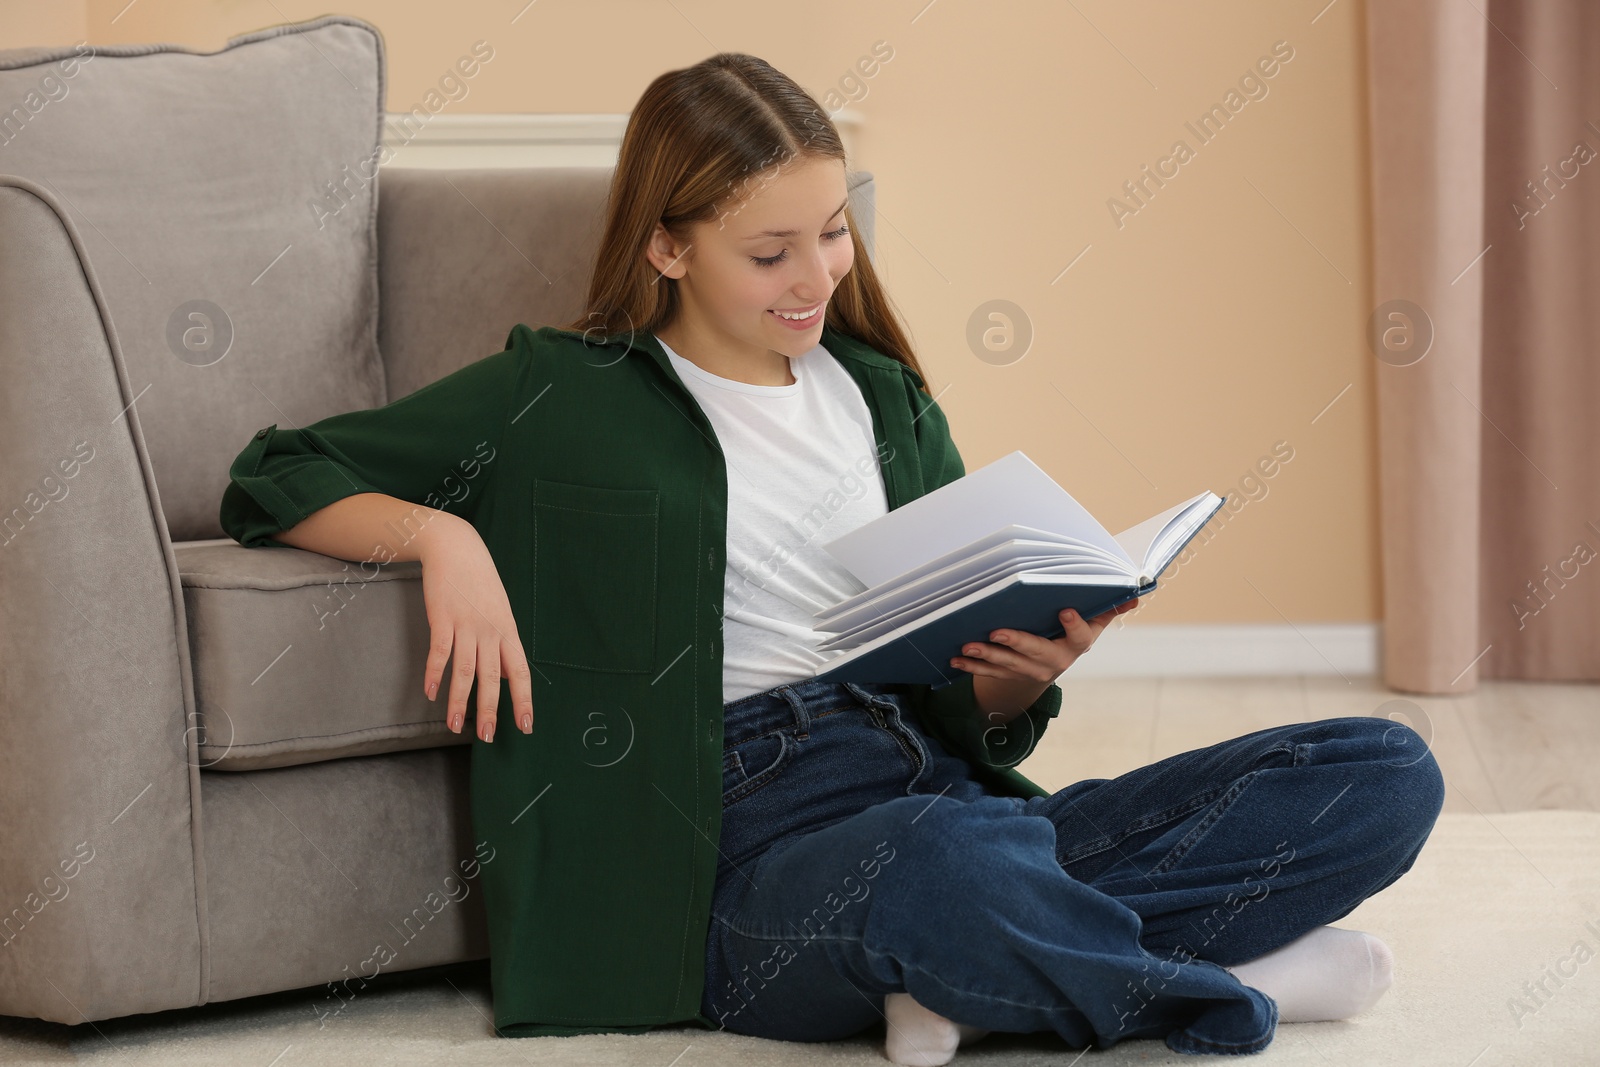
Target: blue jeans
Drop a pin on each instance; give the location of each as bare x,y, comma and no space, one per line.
860,858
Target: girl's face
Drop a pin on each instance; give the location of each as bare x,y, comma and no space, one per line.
781,246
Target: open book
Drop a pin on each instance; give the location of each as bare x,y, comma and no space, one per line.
1004,546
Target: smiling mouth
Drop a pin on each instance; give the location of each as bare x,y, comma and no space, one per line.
796,314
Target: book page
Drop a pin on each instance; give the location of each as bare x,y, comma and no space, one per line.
1017,540
1011,490
913,619
1171,540
1141,541
904,601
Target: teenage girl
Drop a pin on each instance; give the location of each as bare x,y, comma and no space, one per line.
869,876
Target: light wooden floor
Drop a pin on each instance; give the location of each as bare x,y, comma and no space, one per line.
1509,746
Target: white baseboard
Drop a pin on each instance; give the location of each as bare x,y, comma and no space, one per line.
1153,650
418,139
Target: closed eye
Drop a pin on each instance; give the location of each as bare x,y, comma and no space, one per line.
772,261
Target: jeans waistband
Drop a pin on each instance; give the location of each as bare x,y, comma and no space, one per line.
795,703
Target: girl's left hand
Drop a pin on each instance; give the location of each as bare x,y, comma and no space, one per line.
1016,654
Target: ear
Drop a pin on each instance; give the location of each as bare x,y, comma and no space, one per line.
666,255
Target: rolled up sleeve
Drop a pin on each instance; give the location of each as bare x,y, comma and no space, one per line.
436,447
955,710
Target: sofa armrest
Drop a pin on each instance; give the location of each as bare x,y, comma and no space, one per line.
102,902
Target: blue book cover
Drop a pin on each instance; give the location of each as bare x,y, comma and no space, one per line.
1041,554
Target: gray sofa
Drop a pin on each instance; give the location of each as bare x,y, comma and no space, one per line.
218,774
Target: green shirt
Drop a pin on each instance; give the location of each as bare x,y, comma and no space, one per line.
598,486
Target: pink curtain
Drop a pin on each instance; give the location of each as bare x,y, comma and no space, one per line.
1485,122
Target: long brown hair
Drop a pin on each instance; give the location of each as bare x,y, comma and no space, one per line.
695,141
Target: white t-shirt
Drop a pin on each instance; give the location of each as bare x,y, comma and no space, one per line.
802,469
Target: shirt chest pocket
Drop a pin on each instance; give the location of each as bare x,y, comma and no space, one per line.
594,576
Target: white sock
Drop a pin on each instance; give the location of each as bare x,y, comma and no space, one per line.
917,1037
1330,973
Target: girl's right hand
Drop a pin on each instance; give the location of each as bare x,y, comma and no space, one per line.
470,616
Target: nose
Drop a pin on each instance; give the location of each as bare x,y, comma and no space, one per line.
817,281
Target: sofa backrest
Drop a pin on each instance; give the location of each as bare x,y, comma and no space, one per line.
465,255
219,200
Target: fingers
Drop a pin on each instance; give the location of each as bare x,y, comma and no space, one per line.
482,662
976,664
1017,652
1079,634
1033,656
516,665
438,656
1019,649
461,680
488,688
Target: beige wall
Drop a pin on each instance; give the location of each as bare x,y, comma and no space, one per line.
1218,319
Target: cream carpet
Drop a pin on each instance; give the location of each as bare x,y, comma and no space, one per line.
1496,930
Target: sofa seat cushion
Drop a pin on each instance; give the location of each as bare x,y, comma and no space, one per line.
300,657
